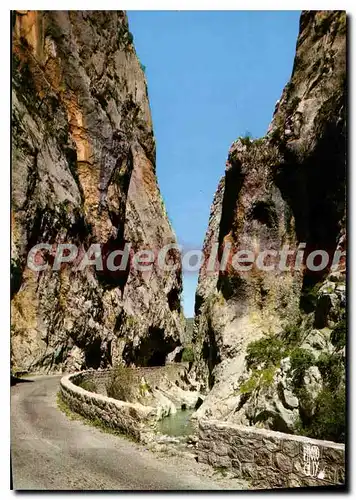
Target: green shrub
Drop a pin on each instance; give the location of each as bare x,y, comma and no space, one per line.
246,140
323,418
258,379
131,321
88,385
338,335
221,469
301,360
267,351
342,23
306,406
259,141
332,369
292,334
121,384
249,385
267,376
145,388
143,67
328,421
188,355
322,23
189,326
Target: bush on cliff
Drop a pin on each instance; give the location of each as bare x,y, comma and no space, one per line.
121,384
338,335
188,355
328,421
301,359
267,351
321,416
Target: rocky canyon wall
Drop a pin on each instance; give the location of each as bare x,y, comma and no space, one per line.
270,345
83,172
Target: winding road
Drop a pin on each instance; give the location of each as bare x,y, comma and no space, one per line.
49,451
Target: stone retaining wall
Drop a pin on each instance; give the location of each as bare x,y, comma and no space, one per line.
271,459
128,418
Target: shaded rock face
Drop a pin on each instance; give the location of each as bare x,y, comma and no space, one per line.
83,172
282,190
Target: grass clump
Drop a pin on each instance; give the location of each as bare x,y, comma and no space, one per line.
221,469
131,321
246,140
145,388
121,384
258,379
93,422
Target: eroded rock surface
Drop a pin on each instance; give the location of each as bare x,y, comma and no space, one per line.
83,172
284,189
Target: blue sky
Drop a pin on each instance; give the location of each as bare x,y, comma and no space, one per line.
212,76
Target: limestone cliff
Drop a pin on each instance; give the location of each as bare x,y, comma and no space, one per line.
83,172
267,341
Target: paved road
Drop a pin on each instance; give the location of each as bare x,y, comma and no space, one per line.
52,452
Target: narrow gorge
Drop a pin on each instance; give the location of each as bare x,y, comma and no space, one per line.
254,386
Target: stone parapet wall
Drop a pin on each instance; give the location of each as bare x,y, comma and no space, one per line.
131,418
154,375
128,418
99,377
270,459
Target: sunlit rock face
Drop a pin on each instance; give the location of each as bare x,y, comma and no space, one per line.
284,189
83,172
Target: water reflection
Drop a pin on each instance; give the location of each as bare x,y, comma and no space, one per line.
178,424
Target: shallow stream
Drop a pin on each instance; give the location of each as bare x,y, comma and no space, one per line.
177,424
